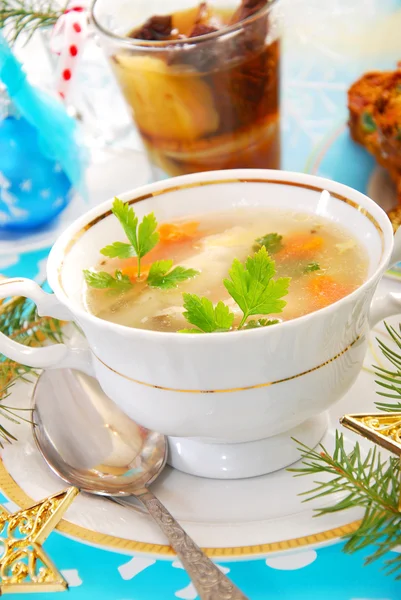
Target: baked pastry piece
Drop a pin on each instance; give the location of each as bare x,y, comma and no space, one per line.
374,103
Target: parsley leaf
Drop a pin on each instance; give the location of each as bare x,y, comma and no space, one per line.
118,250
312,267
253,288
147,235
128,219
368,123
271,241
201,313
260,323
102,280
161,276
142,238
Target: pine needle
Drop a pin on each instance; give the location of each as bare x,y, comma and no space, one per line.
27,16
370,482
390,380
19,320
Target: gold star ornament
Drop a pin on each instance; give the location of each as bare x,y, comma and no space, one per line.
24,565
383,429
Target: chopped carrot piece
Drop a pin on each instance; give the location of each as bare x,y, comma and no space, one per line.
300,246
177,233
132,272
325,290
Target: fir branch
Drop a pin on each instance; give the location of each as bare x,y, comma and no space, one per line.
369,482
10,413
390,380
19,320
27,16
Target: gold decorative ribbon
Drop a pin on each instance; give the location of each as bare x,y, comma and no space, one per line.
383,429
24,565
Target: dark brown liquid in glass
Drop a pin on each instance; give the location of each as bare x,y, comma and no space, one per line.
212,106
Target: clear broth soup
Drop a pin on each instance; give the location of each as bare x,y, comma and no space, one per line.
325,263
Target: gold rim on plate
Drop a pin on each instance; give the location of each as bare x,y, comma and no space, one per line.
16,494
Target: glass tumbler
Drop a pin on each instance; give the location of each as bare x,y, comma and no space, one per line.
200,103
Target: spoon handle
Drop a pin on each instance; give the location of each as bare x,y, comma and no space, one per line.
209,581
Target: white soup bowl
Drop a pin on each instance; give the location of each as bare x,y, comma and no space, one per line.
229,402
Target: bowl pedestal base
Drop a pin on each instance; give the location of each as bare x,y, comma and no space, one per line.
246,459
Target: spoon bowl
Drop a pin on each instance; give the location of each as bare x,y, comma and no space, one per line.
88,441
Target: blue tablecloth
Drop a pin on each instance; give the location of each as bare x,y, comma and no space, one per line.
94,574
316,76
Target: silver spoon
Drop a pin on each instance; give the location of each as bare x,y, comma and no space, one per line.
91,444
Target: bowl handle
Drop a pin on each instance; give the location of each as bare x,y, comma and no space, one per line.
388,304
53,356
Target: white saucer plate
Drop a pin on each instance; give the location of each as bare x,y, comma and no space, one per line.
231,519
